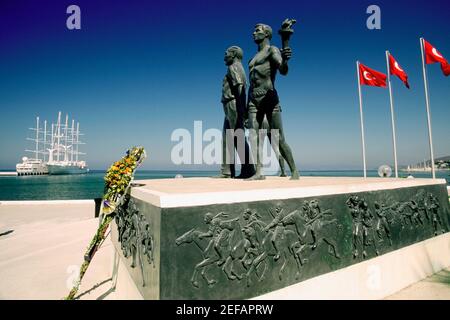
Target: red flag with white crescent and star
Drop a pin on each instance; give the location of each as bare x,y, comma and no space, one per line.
370,77
395,69
432,55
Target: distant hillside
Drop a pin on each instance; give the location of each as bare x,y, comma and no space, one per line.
442,163
447,158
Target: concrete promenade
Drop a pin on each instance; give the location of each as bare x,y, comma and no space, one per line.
42,245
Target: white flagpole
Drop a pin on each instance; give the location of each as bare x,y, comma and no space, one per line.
391,99
362,121
425,82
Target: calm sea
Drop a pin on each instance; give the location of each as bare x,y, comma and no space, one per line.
90,186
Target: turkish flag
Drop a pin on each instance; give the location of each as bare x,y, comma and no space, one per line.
432,55
445,69
395,69
371,77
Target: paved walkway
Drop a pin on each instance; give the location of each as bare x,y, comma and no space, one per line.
41,251
436,287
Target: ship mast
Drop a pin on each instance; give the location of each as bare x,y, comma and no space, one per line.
78,140
45,138
52,145
72,141
58,132
36,150
65,138
37,138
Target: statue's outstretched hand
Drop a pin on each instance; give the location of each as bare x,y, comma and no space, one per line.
286,53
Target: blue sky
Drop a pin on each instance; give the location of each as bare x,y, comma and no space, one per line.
137,70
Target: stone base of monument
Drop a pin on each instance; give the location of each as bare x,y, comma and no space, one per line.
318,237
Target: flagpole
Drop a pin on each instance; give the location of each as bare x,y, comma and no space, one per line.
392,114
425,82
362,121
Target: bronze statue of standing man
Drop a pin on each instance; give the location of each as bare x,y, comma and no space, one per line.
234,106
263,98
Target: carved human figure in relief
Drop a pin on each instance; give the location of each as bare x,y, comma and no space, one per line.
433,207
253,231
316,219
278,233
147,242
363,225
353,204
220,231
263,98
383,224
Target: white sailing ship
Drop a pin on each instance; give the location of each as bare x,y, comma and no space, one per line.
63,154
60,153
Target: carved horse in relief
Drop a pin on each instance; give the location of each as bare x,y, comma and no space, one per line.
314,227
234,246
223,249
209,254
281,238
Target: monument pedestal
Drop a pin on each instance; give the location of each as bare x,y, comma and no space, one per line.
205,238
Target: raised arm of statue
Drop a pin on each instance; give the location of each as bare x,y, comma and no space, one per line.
280,58
275,56
286,54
